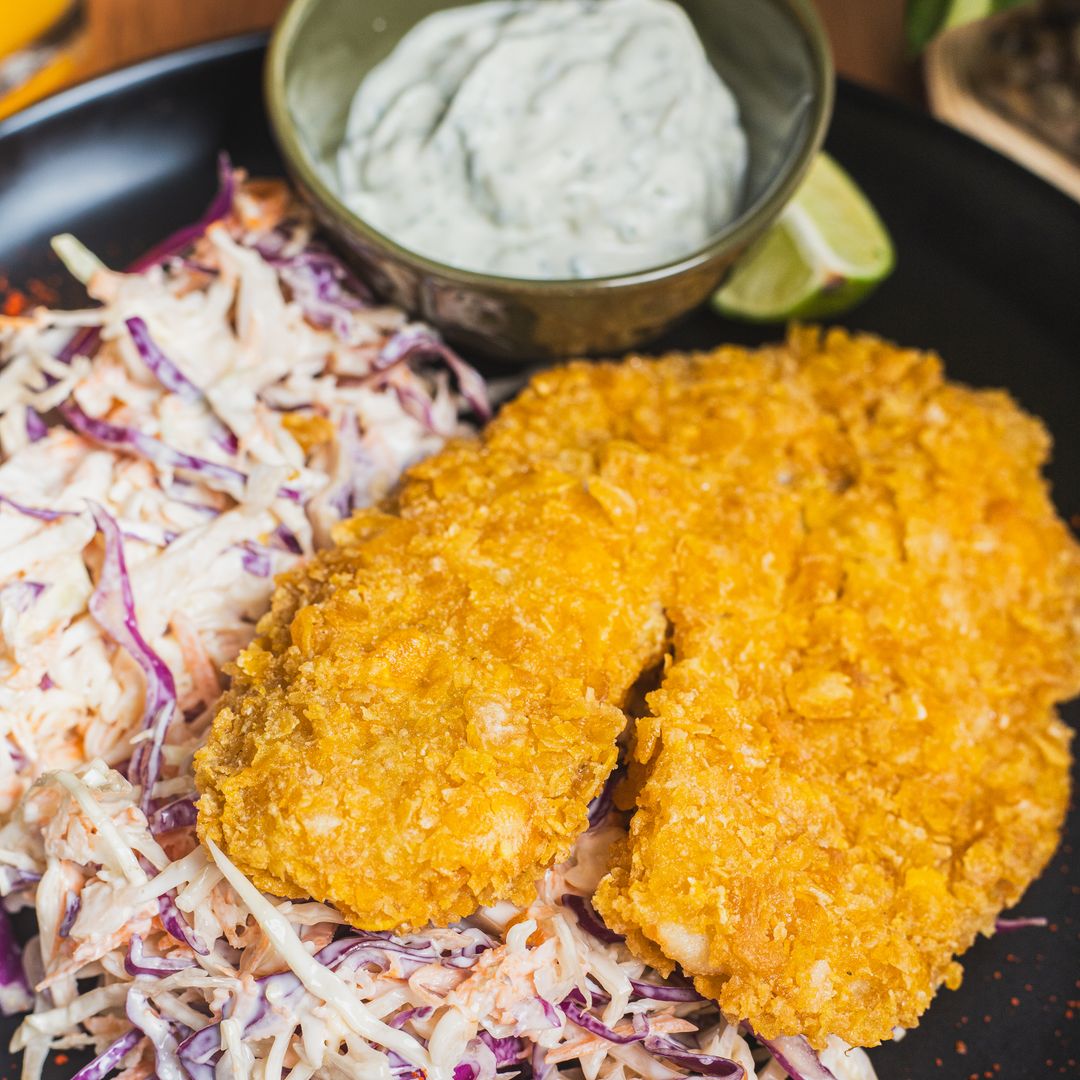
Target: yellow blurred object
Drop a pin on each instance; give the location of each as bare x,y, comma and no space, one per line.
37,49
48,80
22,23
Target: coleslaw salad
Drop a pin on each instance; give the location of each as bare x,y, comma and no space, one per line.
165,453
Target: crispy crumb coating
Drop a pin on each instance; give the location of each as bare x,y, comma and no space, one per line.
430,706
853,760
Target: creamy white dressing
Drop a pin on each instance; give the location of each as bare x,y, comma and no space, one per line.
546,139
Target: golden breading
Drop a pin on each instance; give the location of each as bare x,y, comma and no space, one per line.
852,763
429,707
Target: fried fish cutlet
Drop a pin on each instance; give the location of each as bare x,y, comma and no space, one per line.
429,707
853,763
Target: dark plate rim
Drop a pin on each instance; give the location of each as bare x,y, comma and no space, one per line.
95,89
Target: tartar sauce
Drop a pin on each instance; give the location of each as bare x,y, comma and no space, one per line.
546,139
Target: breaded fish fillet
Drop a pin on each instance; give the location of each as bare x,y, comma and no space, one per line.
853,763
430,706
853,760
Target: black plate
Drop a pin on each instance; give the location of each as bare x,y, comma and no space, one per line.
988,274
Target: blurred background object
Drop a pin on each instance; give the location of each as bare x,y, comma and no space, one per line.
867,35
1012,80
39,49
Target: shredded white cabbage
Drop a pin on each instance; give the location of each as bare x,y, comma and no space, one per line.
302,402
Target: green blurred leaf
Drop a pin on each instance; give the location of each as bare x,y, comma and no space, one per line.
925,19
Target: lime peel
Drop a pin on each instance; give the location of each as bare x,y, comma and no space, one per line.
827,251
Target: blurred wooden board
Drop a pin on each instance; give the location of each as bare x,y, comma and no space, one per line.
950,62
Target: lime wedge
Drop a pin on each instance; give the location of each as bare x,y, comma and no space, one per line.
825,253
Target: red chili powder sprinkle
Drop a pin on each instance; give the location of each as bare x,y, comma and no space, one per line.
42,292
61,1059
1014,1002
961,1046
14,303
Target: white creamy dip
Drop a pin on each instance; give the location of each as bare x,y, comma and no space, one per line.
546,139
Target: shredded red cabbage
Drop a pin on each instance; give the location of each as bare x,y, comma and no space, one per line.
138,963
541,1070
285,539
255,559
35,511
585,1020
588,920
109,1060
22,594
664,1046
656,992
183,238
413,344
36,428
176,382
112,606
199,1052
1007,926
604,803
345,500
160,1033
13,879
83,342
471,384
418,405
179,814
132,440
796,1057
177,926
507,1051
72,906
421,1012
15,996
324,288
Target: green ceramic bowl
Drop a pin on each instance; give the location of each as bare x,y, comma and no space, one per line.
772,53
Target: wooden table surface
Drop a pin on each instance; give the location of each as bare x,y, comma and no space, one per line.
866,34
